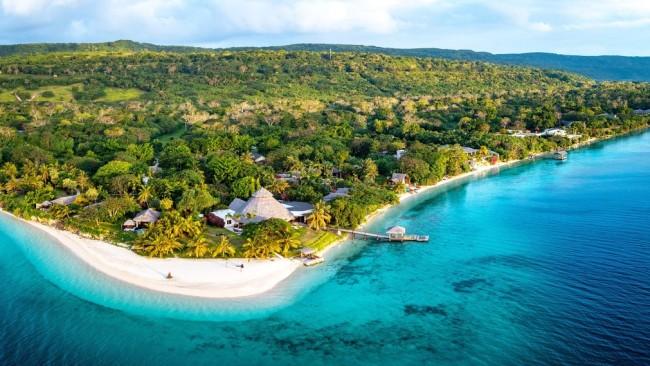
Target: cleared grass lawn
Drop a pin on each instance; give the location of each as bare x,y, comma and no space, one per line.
214,233
318,240
172,135
118,95
63,93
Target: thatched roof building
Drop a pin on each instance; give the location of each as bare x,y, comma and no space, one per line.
398,178
61,201
263,205
148,216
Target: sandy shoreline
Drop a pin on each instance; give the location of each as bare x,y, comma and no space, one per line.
211,278
208,278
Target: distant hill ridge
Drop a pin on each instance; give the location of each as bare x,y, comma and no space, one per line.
620,68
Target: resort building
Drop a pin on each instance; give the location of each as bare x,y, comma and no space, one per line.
260,207
554,132
396,233
61,201
299,210
223,218
400,153
340,192
400,178
263,205
146,218
560,155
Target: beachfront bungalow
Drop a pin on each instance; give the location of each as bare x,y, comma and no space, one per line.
340,192
61,201
400,178
146,218
223,218
299,210
560,155
396,233
129,225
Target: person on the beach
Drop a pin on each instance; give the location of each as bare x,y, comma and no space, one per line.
169,276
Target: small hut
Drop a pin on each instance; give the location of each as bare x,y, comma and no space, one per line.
129,225
396,233
146,217
560,155
400,178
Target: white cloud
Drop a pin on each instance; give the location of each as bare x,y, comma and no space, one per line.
314,16
497,25
28,7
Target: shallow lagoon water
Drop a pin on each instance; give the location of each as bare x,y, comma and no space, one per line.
542,264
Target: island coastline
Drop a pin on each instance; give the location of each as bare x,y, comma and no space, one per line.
191,277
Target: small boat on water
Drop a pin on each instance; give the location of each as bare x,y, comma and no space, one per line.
309,257
560,155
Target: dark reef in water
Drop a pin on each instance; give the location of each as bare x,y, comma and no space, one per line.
468,285
412,309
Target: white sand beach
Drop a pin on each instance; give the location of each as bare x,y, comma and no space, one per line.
208,278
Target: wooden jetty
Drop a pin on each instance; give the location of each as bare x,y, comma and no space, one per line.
394,234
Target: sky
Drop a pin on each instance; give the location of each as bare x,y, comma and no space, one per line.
585,27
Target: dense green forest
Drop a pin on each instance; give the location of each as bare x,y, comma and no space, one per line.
94,121
615,68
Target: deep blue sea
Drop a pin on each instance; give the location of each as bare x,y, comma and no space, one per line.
547,263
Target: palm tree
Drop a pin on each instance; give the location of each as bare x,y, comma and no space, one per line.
287,241
166,204
319,217
60,212
224,248
145,195
279,186
44,172
251,249
158,245
189,226
10,170
370,171
199,247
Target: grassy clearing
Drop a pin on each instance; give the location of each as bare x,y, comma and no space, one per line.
318,240
63,93
118,95
172,135
214,233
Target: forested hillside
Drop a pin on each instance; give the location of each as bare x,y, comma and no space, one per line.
95,122
622,68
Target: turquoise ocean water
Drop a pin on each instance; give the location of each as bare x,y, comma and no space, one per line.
547,263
